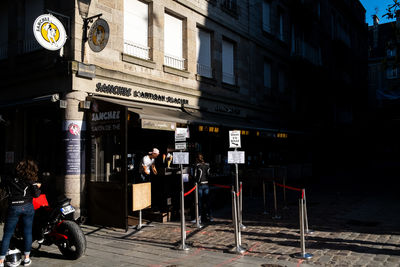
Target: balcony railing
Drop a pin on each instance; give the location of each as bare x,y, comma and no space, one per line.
3,51
228,78
136,50
203,70
174,62
267,28
307,51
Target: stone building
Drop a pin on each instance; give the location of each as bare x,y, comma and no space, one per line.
131,72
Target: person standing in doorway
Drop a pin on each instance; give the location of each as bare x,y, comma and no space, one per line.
201,175
22,189
147,165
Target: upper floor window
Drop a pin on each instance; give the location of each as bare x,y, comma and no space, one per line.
266,13
136,25
3,29
267,77
173,42
33,9
229,4
391,52
281,33
228,62
204,53
392,72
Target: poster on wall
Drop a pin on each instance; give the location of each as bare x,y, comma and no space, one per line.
74,146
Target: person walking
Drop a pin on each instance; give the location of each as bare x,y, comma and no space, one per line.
201,175
21,190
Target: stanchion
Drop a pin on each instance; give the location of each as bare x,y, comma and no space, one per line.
237,248
183,246
242,226
265,197
196,203
307,231
285,207
276,216
302,254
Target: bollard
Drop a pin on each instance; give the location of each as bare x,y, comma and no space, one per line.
196,203
237,248
242,227
265,198
276,216
307,231
302,254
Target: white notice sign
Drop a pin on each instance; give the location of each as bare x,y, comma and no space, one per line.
234,139
180,134
180,158
236,157
180,146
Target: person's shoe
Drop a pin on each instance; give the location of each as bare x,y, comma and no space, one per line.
27,261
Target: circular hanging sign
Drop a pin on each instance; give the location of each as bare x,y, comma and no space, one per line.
98,35
49,32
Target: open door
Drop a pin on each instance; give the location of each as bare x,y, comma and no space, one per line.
107,172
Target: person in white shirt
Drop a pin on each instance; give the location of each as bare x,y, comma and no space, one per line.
148,165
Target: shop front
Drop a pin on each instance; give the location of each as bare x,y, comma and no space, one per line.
121,132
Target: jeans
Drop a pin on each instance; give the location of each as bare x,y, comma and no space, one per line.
204,200
26,212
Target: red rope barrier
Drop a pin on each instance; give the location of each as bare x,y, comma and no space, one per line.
190,191
240,190
222,186
288,187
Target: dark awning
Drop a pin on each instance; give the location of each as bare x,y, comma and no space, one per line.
189,115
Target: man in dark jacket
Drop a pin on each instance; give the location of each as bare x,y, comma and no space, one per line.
201,175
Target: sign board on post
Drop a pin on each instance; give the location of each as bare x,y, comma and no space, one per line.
234,139
180,146
141,196
180,158
180,134
236,157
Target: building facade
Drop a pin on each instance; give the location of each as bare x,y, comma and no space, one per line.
276,70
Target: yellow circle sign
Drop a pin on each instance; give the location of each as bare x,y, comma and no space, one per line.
49,32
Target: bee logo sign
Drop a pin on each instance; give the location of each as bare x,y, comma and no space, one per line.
49,32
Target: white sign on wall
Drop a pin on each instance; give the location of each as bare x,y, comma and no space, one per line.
234,139
49,32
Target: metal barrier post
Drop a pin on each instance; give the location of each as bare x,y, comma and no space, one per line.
183,225
302,254
284,192
196,203
139,226
276,216
265,197
237,248
242,227
307,231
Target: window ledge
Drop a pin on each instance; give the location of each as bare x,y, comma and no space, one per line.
204,79
178,72
138,61
232,87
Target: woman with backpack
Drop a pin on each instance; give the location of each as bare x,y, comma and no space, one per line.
21,190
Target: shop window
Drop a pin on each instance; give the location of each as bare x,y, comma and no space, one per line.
173,42
266,13
136,25
105,160
204,53
228,62
33,9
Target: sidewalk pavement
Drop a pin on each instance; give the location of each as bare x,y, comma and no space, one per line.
349,230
